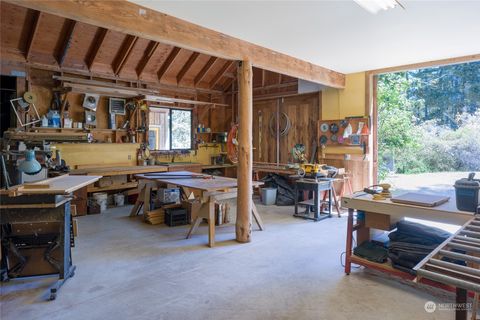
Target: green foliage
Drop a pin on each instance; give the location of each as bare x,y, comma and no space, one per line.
428,120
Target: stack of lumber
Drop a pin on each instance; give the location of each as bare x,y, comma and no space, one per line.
157,216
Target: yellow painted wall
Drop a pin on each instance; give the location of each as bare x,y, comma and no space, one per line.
123,154
348,102
98,153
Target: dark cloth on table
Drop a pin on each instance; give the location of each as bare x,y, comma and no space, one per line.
372,252
412,232
412,242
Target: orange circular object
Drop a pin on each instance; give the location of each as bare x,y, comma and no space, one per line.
232,144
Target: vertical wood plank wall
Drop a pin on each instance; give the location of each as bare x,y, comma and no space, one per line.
303,111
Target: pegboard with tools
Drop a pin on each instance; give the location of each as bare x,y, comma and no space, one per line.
348,132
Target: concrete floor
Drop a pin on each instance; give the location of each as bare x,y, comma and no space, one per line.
127,269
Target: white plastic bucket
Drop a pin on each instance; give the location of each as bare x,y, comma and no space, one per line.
119,199
101,199
269,196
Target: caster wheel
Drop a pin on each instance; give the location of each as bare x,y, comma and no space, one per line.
53,296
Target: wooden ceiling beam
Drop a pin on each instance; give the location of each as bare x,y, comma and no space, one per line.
152,47
168,62
127,17
187,66
204,70
220,74
37,17
95,47
66,42
123,54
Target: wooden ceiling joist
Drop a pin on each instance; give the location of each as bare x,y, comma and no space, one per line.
66,42
37,17
204,70
127,17
187,66
152,47
95,47
168,62
124,53
220,73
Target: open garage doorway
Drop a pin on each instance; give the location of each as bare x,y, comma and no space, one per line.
428,130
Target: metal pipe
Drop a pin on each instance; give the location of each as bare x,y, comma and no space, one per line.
469,239
449,280
471,233
459,256
454,266
464,247
472,227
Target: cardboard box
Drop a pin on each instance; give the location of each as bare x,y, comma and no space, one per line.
111,180
378,221
192,206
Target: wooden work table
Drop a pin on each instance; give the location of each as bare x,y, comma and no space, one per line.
380,214
211,189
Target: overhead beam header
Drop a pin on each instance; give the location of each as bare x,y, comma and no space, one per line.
126,17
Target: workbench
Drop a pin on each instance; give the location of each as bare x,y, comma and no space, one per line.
211,189
382,214
36,224
315,186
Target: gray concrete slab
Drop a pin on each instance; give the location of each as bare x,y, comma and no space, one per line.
127,269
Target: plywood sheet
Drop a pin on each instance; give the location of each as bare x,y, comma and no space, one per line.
60,185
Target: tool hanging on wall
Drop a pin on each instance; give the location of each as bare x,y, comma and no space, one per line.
232,144
286,128
21,107
260,129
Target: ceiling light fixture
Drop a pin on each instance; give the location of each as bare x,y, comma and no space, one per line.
374,6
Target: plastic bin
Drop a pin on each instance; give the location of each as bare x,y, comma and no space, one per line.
101,199
467,192
269,196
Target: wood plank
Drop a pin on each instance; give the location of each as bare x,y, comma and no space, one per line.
152,47
65,184
168,62
118,170
66,42
129,185
123,16
427,64
220,74
204,70
95,47
33,33
187,66
243,226
124,54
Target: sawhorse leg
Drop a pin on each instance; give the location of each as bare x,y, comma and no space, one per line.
139,202
348,250
461,301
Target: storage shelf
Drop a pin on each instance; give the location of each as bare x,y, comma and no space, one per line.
129,185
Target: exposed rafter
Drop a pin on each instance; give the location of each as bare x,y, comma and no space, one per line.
168,62
204,70
187,66
220,74
151,48
37,17
66,41
95,47
122,56
121,16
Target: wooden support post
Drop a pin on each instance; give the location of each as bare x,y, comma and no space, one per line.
245,136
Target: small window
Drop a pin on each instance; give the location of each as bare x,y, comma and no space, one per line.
170,129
